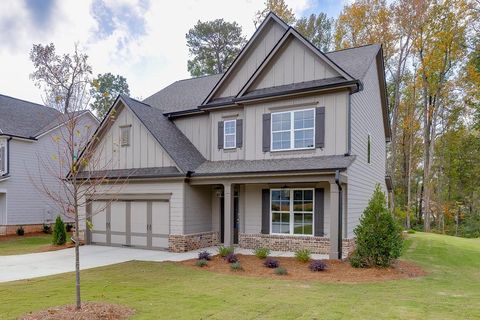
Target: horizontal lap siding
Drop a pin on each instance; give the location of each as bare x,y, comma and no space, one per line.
366,119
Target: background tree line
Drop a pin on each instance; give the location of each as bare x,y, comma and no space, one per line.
432,61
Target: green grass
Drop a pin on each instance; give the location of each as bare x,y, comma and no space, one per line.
166,290
24,244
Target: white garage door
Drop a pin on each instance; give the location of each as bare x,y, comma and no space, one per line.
136,223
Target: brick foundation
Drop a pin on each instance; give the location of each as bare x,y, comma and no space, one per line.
320,245
188,242
12,229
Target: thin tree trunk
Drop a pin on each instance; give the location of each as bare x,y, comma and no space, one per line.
77,262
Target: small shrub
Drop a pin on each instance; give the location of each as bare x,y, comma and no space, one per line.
411,231
69,227
236,266
280,271
231,258
271,263
59,232
317,265
224,251
378,236
303,255
204,255
262,253
20,231
47,228
201,263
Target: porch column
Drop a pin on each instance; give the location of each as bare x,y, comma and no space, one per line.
228,214
334,194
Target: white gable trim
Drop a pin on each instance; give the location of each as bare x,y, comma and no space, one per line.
271,16
291,33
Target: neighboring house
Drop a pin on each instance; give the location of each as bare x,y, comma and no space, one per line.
26,145
282,151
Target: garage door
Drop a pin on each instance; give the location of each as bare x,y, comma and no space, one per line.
143,224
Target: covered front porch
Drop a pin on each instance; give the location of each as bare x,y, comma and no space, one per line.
283,212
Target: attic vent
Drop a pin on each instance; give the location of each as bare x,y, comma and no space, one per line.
125,135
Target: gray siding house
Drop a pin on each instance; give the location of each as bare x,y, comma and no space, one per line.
282,151
26,132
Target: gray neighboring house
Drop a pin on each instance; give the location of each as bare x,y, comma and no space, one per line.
282,151
26,131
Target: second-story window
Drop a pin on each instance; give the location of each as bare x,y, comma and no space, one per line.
229,134
125,136
293,130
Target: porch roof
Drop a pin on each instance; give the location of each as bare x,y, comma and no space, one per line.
322,163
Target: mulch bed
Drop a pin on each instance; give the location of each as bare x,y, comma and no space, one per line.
89,311
52,247
337,271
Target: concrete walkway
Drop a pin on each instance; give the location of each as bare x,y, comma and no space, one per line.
28,266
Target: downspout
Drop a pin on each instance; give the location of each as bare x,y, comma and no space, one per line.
340,213
349,125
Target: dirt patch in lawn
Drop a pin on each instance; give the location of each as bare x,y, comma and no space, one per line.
337,271
89,311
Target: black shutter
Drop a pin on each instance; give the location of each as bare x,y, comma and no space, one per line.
265,211
319,212
266,132
239,133
320,127
220,134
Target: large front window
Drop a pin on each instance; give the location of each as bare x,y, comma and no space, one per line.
292,211
293,130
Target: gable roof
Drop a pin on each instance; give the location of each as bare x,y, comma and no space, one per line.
24,119
172,140
355,61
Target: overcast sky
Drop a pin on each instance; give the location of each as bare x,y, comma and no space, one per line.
140,39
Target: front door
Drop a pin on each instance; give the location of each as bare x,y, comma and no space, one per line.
236,218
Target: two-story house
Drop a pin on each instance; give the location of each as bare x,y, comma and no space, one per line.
27,145
282,151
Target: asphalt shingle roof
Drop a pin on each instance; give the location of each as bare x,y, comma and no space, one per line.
180,149
321,163
131,173
24,119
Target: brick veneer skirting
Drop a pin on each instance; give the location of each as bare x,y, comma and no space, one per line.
12,229
319,245
187,242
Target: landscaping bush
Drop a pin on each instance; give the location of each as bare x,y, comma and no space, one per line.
225,251
204,255
411,231
317,265
236,266
231,258
280,271
47,228
20,231
303,255
201,263
59,232
69,227
271,263
378,237
262,253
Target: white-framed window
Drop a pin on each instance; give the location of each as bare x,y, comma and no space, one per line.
3,157
293,130
230,134
291,211
125,136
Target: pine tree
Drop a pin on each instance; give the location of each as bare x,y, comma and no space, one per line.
59,232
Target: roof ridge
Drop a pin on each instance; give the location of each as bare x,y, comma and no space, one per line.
362,46
124,95
23,100
199,77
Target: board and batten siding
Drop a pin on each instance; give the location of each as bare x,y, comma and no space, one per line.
367,119
293,63
257,52
197,129
143,151
198,209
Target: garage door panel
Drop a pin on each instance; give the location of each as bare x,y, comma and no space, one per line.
118,219
138,241
99,218
160,242
99,238
138,217
160,217
118,239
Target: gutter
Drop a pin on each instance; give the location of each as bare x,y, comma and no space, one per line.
340,214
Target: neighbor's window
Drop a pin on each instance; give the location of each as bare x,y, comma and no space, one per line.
292,211
229,134
3,157
369,149
293,130
125,136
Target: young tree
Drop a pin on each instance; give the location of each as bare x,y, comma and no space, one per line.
213,45
104,89
318,29
65,79
279,7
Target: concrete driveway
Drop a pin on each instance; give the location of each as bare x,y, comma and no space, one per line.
27,266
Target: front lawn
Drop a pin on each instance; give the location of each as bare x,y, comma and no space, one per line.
24,244
172,291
